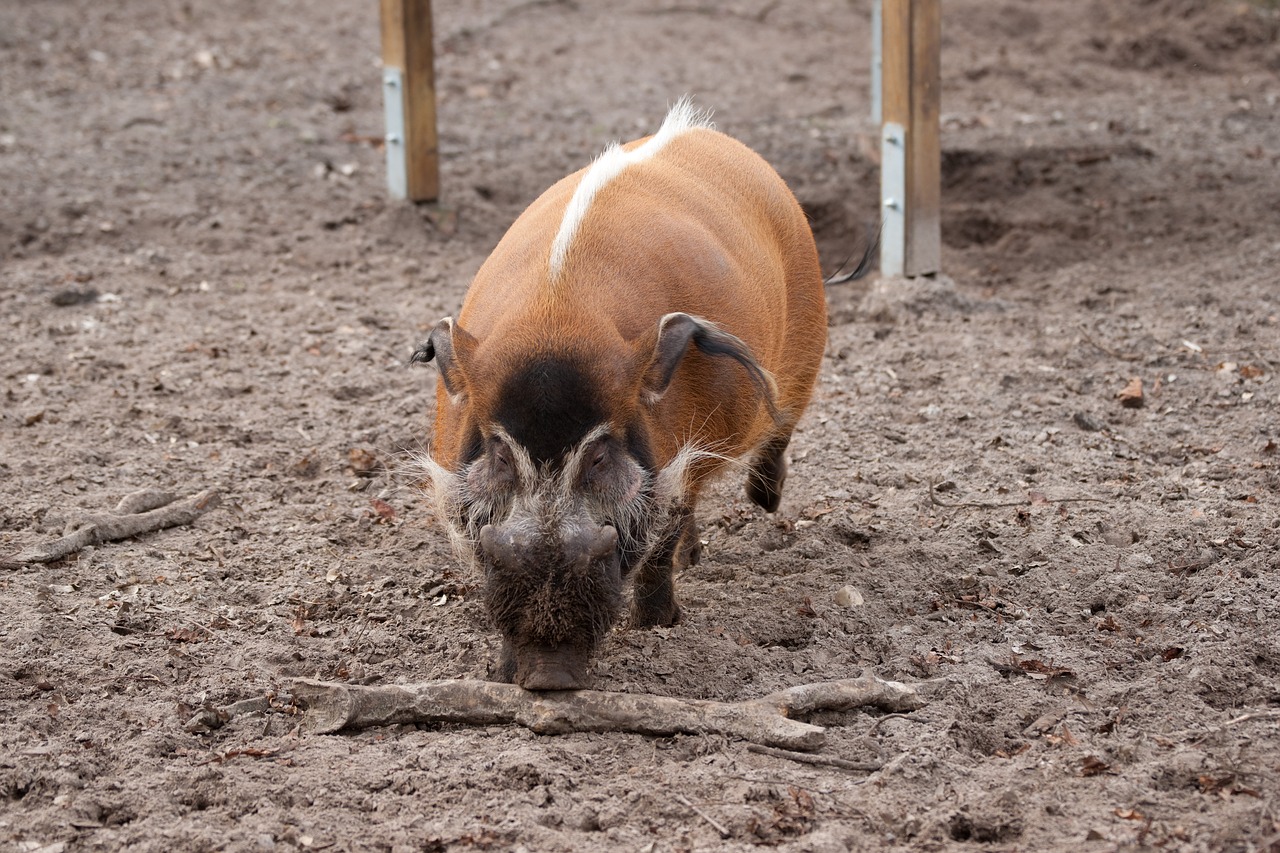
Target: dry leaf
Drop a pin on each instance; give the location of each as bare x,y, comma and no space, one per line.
1131,395
1092,765
383,509
362,462
1036,668
1109,624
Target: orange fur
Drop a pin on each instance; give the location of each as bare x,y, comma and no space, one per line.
704,227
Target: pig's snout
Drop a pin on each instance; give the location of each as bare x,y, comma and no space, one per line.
553,595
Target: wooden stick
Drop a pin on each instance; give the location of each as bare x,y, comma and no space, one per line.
719,827
332,706
138,513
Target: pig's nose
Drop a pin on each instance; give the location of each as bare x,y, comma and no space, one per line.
504,547
592,545
508,548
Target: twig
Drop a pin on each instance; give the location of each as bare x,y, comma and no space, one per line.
724,833
1107,350
888,717
1257,715
208,719
1243,718
807,758
248,752
759,780
333,706
933,499
990,608
141,512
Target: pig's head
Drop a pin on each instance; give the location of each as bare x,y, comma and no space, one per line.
546,471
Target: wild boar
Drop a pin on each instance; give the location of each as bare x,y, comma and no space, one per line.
647,323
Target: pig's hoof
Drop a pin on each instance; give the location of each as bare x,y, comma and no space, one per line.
555,679
656,617
554,670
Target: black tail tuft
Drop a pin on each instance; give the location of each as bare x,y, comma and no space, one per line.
864,264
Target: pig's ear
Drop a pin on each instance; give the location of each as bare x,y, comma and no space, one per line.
677,331
451,347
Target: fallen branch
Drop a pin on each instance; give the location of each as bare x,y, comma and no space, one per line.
138,513
332,706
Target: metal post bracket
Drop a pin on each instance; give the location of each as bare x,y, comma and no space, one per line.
397,162
893,194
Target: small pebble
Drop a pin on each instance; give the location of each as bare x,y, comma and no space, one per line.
848,596
63,298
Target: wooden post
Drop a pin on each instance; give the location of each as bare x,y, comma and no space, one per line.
911,152
877,62
408,88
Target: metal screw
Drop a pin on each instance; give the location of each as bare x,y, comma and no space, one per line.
390,82
893,139
392,139
891,203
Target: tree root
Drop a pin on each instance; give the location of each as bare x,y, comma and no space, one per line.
141,512
332,706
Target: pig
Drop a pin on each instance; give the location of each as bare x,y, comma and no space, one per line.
648,323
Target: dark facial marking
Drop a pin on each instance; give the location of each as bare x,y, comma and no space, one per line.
548,405
638,446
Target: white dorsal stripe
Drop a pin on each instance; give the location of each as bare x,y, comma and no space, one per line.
611,162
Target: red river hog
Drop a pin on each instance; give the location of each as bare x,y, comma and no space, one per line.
647,323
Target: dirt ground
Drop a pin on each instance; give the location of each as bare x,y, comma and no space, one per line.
204,285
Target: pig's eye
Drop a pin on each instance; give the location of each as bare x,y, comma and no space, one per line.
500,462
597,463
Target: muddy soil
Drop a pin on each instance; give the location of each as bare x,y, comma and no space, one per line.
204,285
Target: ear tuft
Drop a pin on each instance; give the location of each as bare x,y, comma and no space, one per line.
450,347
424,353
